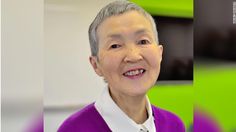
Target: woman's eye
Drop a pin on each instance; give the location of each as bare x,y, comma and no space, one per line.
114,46
144,41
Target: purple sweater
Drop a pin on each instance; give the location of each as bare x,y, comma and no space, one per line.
89,120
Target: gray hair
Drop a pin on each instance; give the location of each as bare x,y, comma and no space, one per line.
113,9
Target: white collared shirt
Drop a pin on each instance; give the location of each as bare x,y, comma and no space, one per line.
117,120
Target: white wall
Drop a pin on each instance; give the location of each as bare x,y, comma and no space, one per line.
22,50
22,62
69,79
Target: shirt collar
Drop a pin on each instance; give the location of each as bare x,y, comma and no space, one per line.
117,120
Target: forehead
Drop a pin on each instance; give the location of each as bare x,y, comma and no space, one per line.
128,22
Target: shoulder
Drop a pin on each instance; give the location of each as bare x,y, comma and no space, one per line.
83,120
167,121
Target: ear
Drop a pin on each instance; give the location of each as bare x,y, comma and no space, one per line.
160,51
94,62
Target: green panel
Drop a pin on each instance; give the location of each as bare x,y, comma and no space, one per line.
215,88
169,8
175,98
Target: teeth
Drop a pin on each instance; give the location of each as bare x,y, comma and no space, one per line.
135,72
141,71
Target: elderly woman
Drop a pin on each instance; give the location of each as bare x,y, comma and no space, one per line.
126,53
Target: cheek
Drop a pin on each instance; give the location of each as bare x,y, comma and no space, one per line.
110,63
154,61
154,58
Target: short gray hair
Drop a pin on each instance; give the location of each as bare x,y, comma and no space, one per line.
113,9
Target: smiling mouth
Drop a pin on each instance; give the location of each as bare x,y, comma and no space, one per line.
134,73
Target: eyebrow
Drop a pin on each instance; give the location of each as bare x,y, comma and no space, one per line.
116,35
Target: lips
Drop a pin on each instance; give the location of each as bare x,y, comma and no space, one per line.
134,72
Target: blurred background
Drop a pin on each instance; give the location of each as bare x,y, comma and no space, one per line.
21,64
45,51
214,65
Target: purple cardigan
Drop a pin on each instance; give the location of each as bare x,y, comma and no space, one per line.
89,120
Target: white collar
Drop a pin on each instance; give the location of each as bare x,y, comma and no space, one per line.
117,120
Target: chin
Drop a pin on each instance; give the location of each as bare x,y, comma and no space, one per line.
139,91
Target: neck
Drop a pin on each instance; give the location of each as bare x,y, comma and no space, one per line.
134,107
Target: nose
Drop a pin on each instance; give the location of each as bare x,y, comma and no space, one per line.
133,54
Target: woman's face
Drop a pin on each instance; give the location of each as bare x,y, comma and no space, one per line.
129,57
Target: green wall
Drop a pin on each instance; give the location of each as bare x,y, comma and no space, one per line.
171,8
